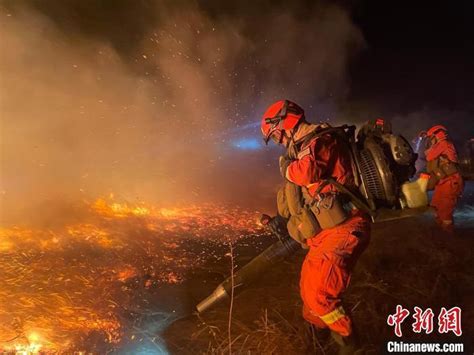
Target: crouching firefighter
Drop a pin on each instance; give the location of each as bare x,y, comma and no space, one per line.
445,177
317,168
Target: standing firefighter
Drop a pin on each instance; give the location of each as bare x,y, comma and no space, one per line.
442,165
320,217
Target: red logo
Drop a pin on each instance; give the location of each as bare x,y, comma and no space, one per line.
397,319
423,320
448,320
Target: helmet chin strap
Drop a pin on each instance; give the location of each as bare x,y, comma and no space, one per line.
293,142
431,141
291,148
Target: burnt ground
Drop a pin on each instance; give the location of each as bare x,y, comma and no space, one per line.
408,262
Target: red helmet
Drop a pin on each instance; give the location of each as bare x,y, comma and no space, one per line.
438,131
283,115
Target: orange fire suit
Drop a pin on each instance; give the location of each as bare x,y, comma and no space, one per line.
333,252
449,188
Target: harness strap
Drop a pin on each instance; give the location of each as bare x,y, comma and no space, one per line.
341,188
344,190
318,132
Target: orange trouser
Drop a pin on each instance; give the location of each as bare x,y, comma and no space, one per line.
445,197
327,270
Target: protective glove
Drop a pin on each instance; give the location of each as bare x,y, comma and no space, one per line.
284,161
432,182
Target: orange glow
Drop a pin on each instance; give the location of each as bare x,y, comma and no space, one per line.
66,283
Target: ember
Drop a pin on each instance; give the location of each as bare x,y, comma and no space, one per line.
78,287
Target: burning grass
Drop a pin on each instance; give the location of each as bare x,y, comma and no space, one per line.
82,286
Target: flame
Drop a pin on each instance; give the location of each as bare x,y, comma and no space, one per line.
118,210
66,283
126,274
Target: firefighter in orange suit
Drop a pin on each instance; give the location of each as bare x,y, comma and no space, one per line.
312,157
442,165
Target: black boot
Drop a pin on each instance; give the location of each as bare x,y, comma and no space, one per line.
348,345
318,338
322,334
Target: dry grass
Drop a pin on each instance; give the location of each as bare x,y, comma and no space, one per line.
407,263
268,334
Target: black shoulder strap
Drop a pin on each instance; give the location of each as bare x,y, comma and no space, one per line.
359,203
321,132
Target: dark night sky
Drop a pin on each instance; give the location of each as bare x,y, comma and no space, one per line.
418,53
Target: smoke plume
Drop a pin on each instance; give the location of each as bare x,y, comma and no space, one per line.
152,115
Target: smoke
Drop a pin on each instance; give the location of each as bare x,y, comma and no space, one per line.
150,116
458,122
410,121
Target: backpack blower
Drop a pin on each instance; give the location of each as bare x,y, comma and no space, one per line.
382,165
